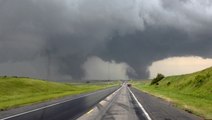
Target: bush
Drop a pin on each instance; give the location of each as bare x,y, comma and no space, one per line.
199,79
87,82
157,79
168,83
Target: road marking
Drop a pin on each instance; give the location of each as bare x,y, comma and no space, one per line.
89,111
19,114
142,108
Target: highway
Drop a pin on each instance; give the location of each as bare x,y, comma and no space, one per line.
159,109
120,106
66,109
124,103
131,104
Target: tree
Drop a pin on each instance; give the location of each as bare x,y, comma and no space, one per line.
157,79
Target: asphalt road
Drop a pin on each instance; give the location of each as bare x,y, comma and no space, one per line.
63,110
119,106
123,104
132,104
159,109
124,107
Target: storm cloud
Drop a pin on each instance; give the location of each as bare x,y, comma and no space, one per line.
53,39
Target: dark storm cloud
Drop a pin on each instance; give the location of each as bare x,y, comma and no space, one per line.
57,37
140,49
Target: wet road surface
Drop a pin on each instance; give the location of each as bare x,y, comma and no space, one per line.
124,103
124,108
131,104
63,110
120,106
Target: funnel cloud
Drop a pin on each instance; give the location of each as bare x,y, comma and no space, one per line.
55,40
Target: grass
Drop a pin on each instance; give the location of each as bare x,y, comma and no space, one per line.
15,92
191,92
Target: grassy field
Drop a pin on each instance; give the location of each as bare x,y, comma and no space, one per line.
191,92
16,92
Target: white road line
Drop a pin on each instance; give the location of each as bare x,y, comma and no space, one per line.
19,114
142,108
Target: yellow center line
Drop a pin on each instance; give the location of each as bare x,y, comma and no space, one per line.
89,111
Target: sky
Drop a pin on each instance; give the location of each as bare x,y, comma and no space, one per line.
64,40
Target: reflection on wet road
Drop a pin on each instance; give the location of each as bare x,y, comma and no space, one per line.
118,106
123,108
67,109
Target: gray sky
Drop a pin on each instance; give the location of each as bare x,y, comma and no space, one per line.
56,39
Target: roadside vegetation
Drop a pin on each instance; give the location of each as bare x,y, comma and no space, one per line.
15,91
191,92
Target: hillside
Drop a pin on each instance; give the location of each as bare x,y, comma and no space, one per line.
191,92
198,84
16,92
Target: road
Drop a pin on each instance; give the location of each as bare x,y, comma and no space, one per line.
124,108
132,104
112,104
63,110
159,109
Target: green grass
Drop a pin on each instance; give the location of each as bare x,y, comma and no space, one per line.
15,92
191,92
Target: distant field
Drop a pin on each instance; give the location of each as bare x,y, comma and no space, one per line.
191,92
16,92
